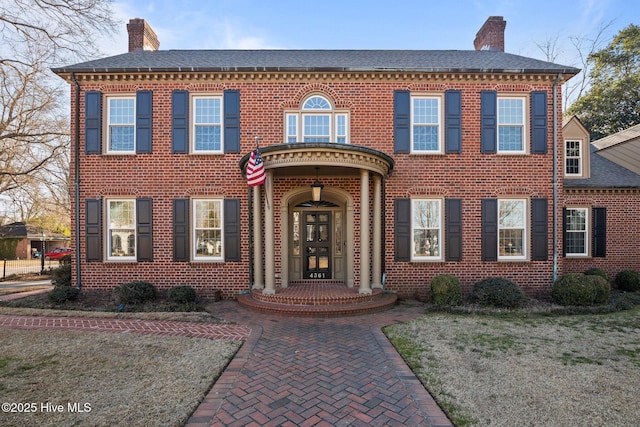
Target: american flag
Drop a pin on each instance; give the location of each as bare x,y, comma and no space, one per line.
255,169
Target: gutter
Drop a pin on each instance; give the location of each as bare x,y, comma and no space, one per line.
555,177
77,180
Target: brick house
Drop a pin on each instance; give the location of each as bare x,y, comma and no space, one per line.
429,162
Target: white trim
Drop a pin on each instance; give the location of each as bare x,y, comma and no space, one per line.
126,235
580,158
107,132
525,123
193,97
439,239
194,229
586,232
525,231
439,98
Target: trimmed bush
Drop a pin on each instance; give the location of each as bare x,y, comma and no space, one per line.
61,276
628,280
60,294
597,272
445,290
182,294
136,292
581,290
498,292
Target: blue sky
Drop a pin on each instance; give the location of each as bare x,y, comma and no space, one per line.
373,24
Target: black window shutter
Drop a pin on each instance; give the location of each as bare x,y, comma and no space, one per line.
92,121
539,122
144,224
231,121
453,121
180,121
232,230
453,229
599,248
401,121
489,229
144,103
93,234
564,231
489,121
402,217
539,229
181,230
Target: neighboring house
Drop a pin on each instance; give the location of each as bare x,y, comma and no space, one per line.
601,200
430,162
21,241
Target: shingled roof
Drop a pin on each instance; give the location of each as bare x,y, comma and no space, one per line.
459,61
605,174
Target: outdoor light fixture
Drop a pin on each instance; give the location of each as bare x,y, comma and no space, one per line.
316,189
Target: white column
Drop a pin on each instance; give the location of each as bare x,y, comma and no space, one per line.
365,267
269,240
258,273
376,280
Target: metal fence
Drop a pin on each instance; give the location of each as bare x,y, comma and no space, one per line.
15,267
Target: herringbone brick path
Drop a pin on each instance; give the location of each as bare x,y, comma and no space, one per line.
318,372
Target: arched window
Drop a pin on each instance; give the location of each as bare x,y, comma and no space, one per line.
317,121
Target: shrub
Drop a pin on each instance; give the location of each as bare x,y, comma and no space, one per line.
581,290
628,280
60,294
182,294
61,276
498,292
597,272
136,292
445,290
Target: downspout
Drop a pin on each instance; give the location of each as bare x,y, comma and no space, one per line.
555,177
77,179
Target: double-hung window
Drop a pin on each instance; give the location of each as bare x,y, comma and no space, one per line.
512,229
426,124
207,230
121,124
427,226
573,158
317,121
576,232
511,125
207,124
121,222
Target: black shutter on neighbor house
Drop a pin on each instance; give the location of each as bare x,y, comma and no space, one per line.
231,121
93,233
144,225
402,221
453,229
453,121
181,229
144,103
539,229
180,121
489,229
401,121
232,230
599,248
488,121
539,122
92,121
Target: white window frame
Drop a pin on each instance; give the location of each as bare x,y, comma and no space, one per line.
438,251
524,125
195,228
585,232
295,120
193,125
124,237
503,253
439,98
567,157
110,126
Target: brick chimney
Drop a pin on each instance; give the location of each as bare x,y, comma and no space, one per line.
491,35
141,36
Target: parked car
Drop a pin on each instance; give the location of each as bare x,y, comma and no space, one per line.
58,253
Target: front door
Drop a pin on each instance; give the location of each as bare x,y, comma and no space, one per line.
316,245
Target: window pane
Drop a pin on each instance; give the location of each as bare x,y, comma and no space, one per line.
511,242
425,111
207,110
292,128
509,138
511,228
316,128
426,228
208,243
510,124
122,226
425,138
510,112
208,228
121,124
207,138
511,214
122,111
316,103
122,138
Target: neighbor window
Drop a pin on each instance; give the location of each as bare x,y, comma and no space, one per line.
207,124
427,229
426,124
573,158
512,232
317,121
511,125
121,128
121,222
207,230
576,232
